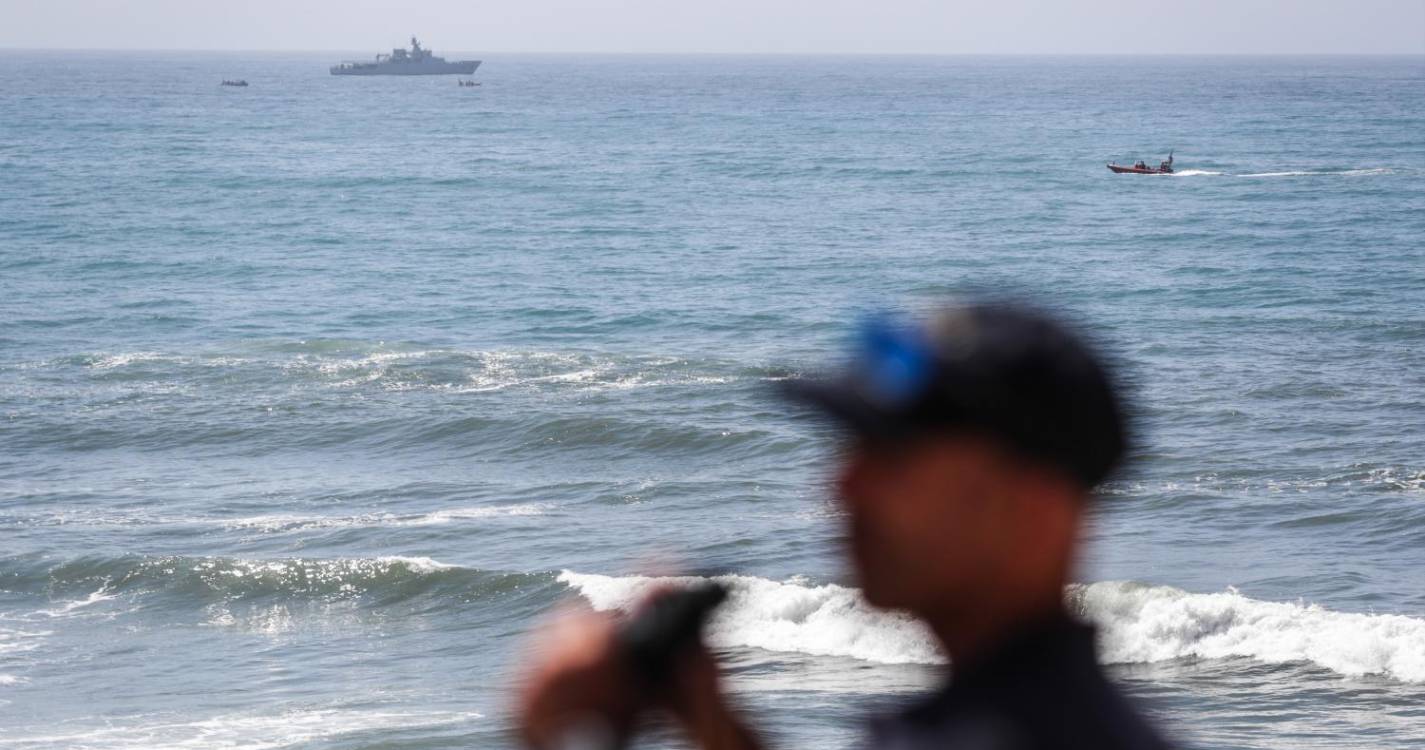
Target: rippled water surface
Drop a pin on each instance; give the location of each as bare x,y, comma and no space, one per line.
315,395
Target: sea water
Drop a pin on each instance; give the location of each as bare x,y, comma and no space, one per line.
317,395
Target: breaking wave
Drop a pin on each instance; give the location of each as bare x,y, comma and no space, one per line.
827,620
204,582
1138,623
1144,623
353,364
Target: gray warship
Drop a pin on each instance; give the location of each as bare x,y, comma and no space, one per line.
417,62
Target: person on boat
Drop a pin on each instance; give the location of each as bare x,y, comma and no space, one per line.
974,441
1140,164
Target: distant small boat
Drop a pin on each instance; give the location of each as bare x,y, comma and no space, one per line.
238,82
1119,169
462,83
1142,168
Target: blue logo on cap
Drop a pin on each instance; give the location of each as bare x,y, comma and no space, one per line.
895,362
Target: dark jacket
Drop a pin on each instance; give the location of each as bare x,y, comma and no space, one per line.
1042,688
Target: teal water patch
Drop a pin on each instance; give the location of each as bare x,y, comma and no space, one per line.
265,347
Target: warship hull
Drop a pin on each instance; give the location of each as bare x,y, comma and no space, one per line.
423,68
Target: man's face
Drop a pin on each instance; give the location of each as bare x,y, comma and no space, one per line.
928,521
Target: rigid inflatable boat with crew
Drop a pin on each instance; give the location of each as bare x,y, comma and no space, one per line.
1142,168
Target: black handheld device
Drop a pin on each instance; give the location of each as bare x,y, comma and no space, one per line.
670,623
648,642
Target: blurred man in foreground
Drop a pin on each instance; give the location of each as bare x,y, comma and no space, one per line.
976,441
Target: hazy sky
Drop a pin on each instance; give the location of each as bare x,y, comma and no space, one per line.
859,26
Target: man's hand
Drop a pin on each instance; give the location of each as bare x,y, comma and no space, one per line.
579,689
582,691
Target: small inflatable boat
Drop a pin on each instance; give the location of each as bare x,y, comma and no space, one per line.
1141,168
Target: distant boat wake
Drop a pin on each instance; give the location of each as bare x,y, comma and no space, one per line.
1304,173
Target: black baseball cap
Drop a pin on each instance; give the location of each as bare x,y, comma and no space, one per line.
1005,370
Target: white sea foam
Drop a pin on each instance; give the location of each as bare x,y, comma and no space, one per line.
76,608
12,643
503,370
279,523
68,608
1396,478
118,360
827,620
463,514
112,361
416,564
235,732
1138,623
1196,173
335,568
288,522
454,370
500,370
16,641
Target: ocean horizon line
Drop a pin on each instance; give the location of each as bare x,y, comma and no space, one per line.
748,54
